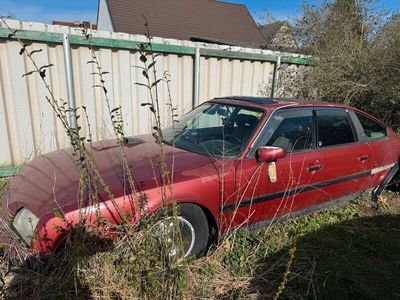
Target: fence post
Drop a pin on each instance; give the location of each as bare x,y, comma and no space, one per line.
70,81
275,77
196,78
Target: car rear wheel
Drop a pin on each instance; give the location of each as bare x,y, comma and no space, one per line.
191,223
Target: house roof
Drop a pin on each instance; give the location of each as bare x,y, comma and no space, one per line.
202,20
84,24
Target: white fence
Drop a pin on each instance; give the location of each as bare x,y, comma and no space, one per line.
28,126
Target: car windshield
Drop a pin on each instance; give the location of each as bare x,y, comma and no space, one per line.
214,129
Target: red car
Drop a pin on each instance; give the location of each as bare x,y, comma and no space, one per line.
237,162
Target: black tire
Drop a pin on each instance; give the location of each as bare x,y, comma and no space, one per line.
196,217
194,230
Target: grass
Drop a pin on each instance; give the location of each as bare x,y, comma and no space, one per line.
347,252
91,266
3,185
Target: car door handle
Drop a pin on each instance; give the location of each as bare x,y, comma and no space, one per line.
363,158
314,167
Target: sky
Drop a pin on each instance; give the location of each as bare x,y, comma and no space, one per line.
86,10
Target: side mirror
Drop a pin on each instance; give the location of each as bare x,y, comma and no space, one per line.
269,154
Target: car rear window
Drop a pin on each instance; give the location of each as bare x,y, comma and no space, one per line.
373,130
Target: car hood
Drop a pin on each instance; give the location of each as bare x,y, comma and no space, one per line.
51,181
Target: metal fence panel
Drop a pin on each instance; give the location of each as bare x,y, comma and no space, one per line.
28,127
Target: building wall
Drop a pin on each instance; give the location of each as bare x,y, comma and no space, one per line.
103,17
28,126
284,39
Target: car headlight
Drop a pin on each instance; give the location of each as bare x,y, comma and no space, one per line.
25,224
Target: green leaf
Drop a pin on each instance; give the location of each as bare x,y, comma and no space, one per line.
42,73
29,73
156,82
35,51
139,67
141,84
143,58
46,66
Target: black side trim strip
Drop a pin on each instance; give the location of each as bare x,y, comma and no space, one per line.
306,188
306,211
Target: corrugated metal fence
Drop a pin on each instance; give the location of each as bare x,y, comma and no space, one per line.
28,126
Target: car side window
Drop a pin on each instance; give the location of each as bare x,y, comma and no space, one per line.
373,130
291,129
334,127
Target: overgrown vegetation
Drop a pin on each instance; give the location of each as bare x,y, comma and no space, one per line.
3,185
355,46
136,252
347,252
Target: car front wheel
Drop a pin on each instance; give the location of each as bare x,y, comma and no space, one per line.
186,234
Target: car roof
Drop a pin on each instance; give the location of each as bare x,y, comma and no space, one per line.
274,103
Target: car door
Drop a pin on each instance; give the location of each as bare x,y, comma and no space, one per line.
259,197
347,157
383,157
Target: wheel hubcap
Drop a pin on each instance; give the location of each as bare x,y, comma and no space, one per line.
179,236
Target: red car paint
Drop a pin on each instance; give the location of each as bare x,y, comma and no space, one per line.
234,192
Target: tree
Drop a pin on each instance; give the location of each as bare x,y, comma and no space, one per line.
356,55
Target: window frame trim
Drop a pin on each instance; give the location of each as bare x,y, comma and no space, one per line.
357,129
